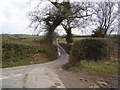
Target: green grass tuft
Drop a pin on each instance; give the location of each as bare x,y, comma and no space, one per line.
97,68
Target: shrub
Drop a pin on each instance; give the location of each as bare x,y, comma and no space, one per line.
13,51
113,47
52,52
42,50
88,49
32,50
99,32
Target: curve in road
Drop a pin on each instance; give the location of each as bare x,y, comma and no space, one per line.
46,75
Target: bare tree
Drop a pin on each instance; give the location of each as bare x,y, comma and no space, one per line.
79,16
53,16
57,12
105,17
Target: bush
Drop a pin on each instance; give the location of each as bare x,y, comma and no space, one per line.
15,51
42,50
88,49
99,32
52,52
32,50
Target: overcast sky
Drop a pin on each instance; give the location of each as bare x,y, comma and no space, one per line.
13,16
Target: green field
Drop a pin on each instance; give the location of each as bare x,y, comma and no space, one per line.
18,50
63,39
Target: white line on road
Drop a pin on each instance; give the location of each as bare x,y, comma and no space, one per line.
10,76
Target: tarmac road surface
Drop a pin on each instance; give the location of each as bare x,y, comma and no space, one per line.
46,75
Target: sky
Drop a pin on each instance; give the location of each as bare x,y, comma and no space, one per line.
14,19
13,16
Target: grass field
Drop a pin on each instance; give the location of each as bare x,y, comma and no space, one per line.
63,39
18,50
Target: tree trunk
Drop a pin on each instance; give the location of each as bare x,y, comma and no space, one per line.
105,33
69,36
58,19
49,37
51,30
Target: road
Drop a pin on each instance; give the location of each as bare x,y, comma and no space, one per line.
46,75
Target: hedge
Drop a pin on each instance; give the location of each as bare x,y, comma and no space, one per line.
88,49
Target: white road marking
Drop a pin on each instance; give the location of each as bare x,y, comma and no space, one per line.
10,76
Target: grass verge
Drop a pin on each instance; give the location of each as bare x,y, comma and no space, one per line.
105,69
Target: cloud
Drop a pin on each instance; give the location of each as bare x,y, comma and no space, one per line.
13,16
